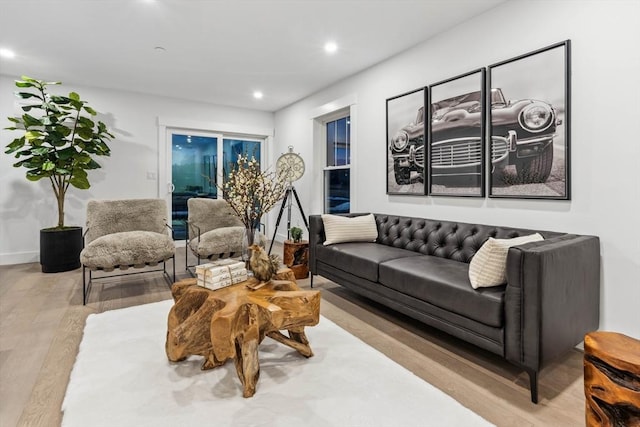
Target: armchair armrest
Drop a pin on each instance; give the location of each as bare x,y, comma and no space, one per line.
192,227
552,297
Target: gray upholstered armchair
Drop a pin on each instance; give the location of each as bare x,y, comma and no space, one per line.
126,233
214,230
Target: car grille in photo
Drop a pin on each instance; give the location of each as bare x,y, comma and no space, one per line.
456,152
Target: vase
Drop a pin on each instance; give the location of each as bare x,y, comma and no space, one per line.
250,236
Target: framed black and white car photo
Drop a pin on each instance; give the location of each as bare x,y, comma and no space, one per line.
529,119
456,136
406,143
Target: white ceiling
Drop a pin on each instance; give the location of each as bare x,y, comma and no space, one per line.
217,51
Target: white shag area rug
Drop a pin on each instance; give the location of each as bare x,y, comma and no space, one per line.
122,378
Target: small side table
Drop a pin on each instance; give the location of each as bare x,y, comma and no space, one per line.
296,257
611,379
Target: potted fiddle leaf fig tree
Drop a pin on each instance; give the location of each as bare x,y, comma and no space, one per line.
58,141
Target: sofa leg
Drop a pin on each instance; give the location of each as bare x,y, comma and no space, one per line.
533,384
312,280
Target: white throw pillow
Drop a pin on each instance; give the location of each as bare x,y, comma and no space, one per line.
341,229
488,267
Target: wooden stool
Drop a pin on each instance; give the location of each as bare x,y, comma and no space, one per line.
296,257
611,379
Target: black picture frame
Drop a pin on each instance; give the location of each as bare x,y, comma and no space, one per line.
406,143
456,136
529,106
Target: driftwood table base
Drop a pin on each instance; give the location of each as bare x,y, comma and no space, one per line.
611,380
230,323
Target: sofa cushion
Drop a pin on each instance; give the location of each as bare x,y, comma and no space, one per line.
340,229
128,248
488,267
444,283
360,259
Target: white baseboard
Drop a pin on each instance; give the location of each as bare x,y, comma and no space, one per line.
19,258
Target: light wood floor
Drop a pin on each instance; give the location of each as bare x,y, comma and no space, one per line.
42,319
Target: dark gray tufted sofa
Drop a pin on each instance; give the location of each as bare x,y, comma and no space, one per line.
420,267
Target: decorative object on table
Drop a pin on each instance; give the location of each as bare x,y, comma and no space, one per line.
296,234
406,143
296,257
611,379
231,323
456,136
126,233
291,166
263,265
59,143
251,192
530,124
221,273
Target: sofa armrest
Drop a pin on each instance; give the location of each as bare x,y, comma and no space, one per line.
552,297
316,237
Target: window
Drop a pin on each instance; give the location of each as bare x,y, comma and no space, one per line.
199,166
337,173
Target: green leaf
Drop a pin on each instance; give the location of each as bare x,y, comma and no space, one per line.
35,175
14,119
67,153
29,120
15,145
90,110
77,105
32,135
85,133
39,151
74,96
48,165
26,95
60,100
85,121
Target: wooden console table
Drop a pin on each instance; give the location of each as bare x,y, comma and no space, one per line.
231,322
611,379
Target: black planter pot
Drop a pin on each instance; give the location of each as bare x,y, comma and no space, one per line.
60,249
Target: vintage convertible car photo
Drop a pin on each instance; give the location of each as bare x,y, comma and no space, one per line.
522,135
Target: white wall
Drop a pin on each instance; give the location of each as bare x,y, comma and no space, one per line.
26,207
605,145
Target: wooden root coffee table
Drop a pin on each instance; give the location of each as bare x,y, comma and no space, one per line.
231,322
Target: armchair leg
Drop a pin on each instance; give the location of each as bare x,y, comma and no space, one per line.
312,280
85,286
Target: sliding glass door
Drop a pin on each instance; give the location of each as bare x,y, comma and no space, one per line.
199,164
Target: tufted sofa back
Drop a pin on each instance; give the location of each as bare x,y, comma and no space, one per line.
458,241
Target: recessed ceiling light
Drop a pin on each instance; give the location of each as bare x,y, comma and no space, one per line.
257,94
330,47
6,53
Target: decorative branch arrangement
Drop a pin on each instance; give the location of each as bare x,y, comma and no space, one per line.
251,193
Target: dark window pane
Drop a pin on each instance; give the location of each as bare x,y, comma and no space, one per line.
231,148
193,173
337,191
339,142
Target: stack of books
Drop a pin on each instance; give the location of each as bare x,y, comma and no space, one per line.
221,273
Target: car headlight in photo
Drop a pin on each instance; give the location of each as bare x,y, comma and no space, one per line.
536,117
400,141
